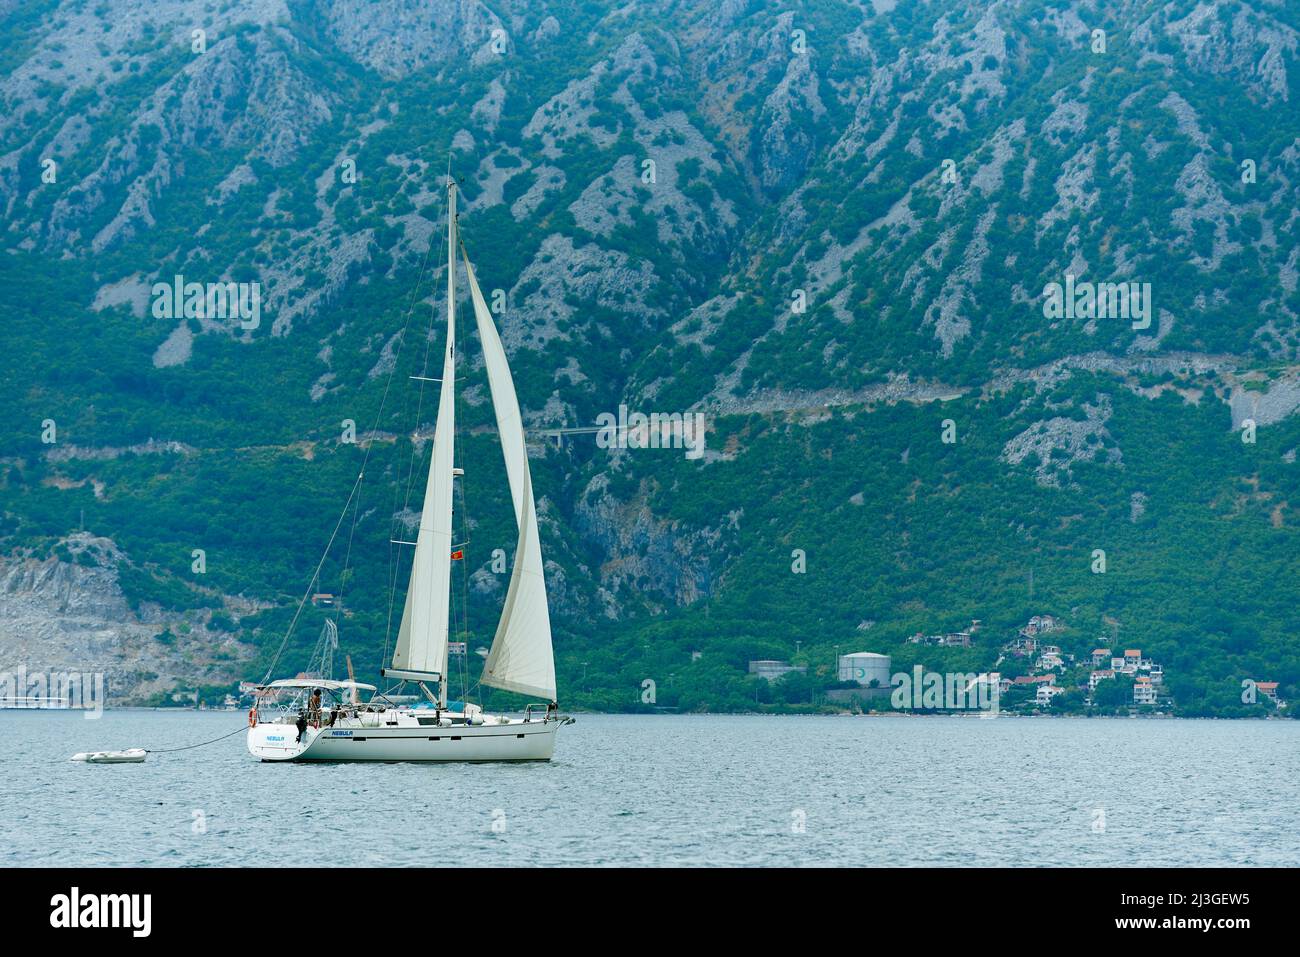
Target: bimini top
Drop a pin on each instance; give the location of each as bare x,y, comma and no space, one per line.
323,683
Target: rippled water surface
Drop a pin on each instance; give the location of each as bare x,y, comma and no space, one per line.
692,790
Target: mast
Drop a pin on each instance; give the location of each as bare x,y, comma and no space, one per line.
447,389
421,651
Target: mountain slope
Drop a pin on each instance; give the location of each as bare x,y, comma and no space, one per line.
829,227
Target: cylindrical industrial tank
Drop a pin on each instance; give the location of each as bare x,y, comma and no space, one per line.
864,667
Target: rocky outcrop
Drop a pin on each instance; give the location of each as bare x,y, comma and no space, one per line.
562,273
1057,443
238,94
398,37
643,555
70,615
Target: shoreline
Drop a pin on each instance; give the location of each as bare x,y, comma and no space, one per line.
748,714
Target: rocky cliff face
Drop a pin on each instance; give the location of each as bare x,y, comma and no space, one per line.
899,152
729,207
71,616
397,39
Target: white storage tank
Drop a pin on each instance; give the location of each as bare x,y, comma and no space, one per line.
864,667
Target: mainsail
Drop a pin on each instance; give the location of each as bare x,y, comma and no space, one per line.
421,650
521,658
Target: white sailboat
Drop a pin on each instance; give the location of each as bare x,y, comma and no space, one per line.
521,657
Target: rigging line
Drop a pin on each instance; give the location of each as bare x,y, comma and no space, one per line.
478,682
464,509
464,563
365,460
428,345
365,457
191,747
419,410
393,550
419,406
394,553
315,575
352,533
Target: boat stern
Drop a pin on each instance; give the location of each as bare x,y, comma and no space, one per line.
277,742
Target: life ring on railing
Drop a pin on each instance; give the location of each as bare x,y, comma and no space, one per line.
252,717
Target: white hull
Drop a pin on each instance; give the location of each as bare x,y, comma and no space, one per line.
521,659
515,741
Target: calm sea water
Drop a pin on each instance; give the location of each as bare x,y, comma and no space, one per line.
687,790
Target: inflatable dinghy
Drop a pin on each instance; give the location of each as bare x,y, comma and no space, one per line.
129,756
